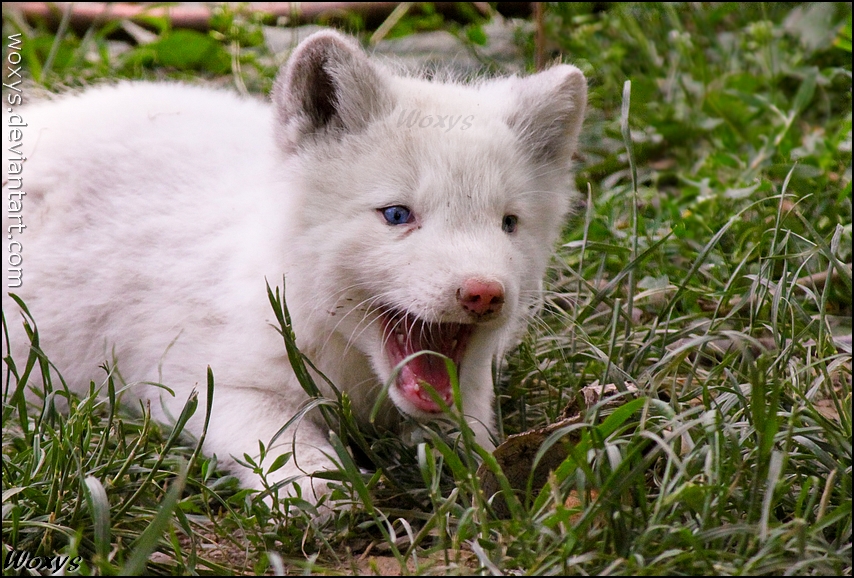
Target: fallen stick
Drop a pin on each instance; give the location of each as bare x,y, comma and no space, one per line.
197,17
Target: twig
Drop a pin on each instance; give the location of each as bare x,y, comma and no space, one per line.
540,40
85,15
819,278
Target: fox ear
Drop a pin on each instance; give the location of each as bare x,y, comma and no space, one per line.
327,85
548,112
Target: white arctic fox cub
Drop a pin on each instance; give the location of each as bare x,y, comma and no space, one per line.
406,215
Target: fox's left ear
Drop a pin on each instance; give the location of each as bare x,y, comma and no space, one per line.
548,112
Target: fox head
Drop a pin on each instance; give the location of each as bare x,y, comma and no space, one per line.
427,212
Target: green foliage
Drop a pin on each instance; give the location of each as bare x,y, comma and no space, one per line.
235,44
710,266
182,50
423,20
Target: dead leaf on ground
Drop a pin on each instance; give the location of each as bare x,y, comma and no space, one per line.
516,455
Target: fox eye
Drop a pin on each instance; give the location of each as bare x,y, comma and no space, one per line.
508,225
397,215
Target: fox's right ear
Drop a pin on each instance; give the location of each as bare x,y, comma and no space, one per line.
327,86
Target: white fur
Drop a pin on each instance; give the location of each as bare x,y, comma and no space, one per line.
155,212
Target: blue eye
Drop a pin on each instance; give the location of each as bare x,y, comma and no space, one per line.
397,215
508,225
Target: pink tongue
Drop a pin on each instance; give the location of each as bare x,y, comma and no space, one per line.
426,370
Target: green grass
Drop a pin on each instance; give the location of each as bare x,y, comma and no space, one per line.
711,267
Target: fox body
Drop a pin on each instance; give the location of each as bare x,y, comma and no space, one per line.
152,213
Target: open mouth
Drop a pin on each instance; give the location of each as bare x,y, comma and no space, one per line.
405,335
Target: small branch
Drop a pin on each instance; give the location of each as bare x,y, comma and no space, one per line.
820,278
197,17
540,39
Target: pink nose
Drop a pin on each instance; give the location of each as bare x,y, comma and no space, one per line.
481,298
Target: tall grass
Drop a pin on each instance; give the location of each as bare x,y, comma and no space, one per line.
710,268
